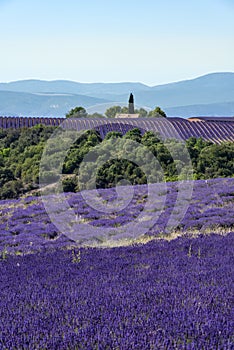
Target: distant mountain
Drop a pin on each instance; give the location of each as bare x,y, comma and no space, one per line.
27,104
71,87
215,110
208,89
212,94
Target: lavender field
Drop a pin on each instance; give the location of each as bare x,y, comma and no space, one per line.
174,292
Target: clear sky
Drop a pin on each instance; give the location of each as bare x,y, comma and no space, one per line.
150,41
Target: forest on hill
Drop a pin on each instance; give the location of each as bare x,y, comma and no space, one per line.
21,151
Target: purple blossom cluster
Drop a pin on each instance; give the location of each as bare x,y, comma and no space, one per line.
161,295
167,127
25,226
213,130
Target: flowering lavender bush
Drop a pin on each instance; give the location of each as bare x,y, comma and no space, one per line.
26,227
162,295
166,294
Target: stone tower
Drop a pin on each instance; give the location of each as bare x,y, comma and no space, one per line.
131,104
131,112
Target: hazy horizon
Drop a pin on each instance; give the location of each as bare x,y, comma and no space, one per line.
112,82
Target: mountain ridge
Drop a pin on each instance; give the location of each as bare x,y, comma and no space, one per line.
58,96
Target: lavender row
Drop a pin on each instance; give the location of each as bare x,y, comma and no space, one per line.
26,226
163,295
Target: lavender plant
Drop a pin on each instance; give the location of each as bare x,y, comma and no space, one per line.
25,225
166,294
150,296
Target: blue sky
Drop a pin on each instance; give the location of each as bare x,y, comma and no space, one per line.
150,41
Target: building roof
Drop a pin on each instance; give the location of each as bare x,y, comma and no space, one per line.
212,119
127,115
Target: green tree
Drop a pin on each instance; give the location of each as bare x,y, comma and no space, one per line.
69,184
134,134
216,161
157,113
77,112
79,149
112,111
142,112
195,146
124,110
113,135
96,115
150,139
6,175
11,189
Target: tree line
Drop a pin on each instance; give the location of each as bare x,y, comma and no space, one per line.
112,112
21,151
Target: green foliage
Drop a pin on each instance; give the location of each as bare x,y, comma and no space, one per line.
157,113
195,146
96,115
112,111
150,139
49,177
77,112
70,184
142,112
134,134
216,161
21,151
8,137
20,155
115,171
80,148
113,135
6,175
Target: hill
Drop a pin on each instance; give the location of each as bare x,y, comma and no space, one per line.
215,109
32,104
211,94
